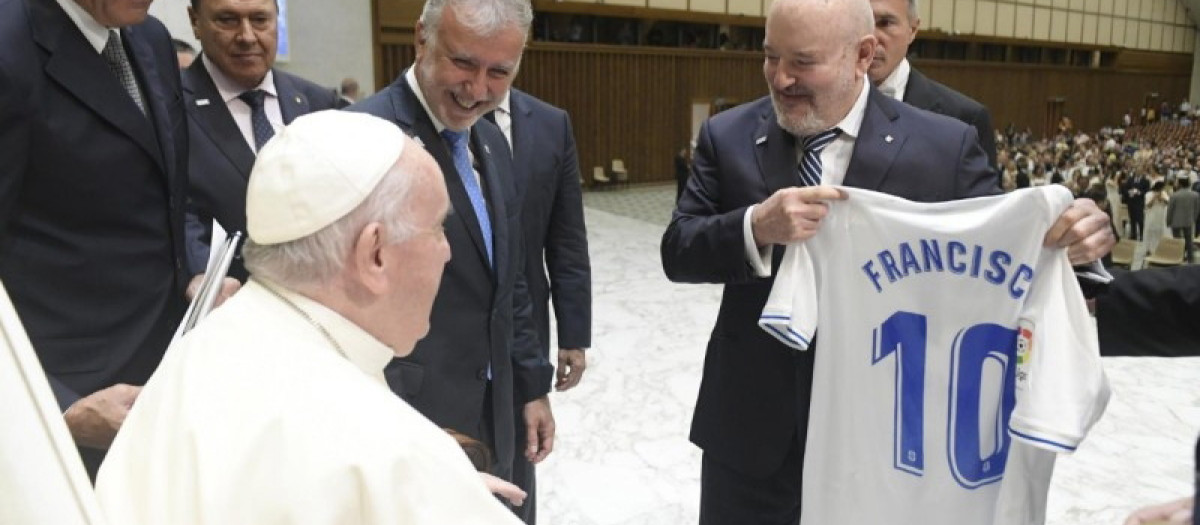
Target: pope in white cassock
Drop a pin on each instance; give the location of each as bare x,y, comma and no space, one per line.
274,409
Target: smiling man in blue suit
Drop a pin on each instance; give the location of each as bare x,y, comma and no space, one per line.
93,153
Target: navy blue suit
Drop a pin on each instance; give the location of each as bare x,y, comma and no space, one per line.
547,178
221,160
752,412
480,315
927,94
91,198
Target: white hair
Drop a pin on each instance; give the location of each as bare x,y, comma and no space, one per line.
482,17
317,258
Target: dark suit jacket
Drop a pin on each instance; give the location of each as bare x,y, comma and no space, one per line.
480,316
547,178
1128,197
1151,312
930,95
220,162
91,198
754,393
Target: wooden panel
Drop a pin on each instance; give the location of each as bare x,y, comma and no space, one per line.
1017,93
399,13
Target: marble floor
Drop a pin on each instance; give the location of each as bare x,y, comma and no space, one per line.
622,456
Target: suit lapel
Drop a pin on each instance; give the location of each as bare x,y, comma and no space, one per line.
775,151
292,103
880,139
212,117
156,100
412,118
918,93
489,173
76,66
522,140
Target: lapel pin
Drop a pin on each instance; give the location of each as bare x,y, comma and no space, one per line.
888,139
760,140
202,102
486,149
299,100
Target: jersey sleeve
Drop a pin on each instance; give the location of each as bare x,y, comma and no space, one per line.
1061,390
791,310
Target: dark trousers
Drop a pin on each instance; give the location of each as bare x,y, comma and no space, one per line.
729,497
1186,234
524,475
1137,216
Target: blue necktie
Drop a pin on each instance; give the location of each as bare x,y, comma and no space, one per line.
462,164
263,130
810,162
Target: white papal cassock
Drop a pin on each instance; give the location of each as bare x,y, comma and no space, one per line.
254,417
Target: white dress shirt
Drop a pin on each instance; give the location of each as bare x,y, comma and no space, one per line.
896,84
239,109
835,160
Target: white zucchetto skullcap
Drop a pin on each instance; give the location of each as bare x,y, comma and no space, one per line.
315,171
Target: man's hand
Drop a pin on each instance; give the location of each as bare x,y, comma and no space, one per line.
1178,512
539,430
1083,229
792,214
504,489
95,419
229,286
571,364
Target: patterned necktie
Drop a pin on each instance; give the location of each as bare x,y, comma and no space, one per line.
462,164
810,162
263,131
118,62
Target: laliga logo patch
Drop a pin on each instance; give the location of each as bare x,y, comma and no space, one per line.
1024,351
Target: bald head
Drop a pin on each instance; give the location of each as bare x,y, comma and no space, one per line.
817,54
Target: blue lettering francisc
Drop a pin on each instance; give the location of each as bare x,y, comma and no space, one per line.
932,254
953,249
1000,261
976,260
1023,273
889,265
873,275
909,259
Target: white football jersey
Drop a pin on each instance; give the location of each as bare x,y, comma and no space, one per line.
955,353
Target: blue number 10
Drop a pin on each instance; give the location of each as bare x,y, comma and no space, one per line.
906,334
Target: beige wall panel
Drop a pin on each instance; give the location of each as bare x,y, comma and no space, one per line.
1133,8
1131,33
1091,6
941,15
1023,20
1159,10
668,4
708,6
1064,4
1189,41
1104,31
636,3
1089,29
1180,16
1041,23
987,22
1144,35
1106,7
964,17
1147,12
1074,27
745,7
767,6
923,11
1005,14
1181,39
1119,31
1058,26
1075,5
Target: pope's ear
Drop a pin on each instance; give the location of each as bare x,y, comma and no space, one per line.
368,258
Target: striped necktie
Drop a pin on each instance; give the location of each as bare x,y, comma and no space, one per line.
810,161
263,130
462,164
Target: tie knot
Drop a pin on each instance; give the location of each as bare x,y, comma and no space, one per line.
112,48
454,138
253,98
816,143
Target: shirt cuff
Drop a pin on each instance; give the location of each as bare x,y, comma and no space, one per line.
759,258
